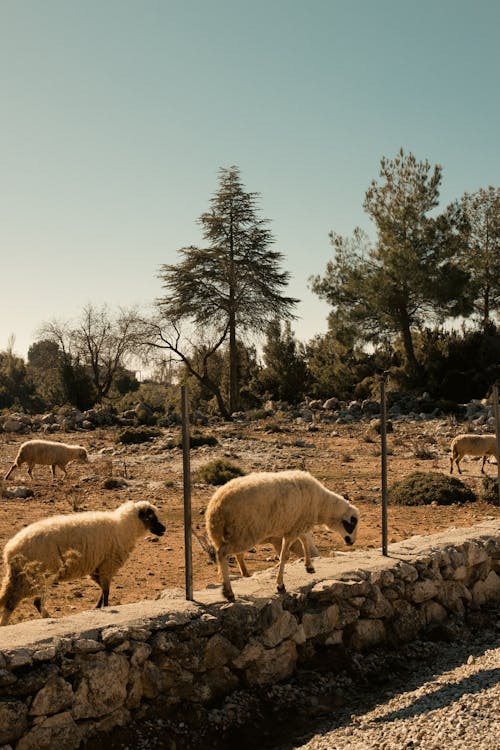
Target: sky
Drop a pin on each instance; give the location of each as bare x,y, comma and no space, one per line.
117,115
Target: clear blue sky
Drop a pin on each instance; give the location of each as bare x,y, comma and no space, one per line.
115,117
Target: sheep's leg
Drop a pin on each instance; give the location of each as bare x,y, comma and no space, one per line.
457,461
285,549
241,565
39,603
482,465
103,582
30,471
221,556
103,599
307,553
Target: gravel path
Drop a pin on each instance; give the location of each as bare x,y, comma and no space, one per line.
453,708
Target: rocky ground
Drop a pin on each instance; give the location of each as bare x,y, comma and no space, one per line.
346,457
442,690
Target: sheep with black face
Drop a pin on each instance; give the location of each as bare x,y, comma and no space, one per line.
65,547
264,506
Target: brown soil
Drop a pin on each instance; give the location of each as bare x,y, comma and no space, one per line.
344,457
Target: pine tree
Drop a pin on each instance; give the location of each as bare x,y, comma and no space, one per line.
234,283
412,274
481,257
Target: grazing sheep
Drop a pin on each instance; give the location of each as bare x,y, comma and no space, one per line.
472,445
65,547
265,506
47,453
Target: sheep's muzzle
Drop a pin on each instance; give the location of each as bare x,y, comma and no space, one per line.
151,521
157,528
350,527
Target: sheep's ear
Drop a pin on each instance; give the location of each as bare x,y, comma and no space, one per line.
349,526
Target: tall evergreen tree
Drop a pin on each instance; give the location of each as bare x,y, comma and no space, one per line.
234,283
481,256
412,273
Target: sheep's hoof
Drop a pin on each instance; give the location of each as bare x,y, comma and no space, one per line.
310,569
281,588
228,595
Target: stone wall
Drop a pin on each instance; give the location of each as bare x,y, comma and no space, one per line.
65,680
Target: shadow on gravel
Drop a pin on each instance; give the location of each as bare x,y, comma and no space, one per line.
443,695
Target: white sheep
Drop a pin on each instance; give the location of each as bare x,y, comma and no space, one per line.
65,547
47,453
472,445
264,506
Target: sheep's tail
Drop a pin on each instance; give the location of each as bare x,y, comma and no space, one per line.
14,466
204,544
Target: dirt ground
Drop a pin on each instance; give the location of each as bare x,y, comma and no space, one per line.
345,457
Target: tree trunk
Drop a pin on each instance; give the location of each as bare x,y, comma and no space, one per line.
214,388
486,309
412,362
233,367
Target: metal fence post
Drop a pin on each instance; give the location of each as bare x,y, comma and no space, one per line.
188,558
383,445
497,433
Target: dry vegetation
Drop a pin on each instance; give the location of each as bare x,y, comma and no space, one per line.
344,457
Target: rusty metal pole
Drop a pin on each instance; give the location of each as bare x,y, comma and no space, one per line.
188,558
497,433
383,453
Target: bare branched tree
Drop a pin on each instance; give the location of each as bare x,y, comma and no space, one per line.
99,340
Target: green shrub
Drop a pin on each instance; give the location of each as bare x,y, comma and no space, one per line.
137,435
489,492
424,488
219,472
275,427
112,483
198,438
422,452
